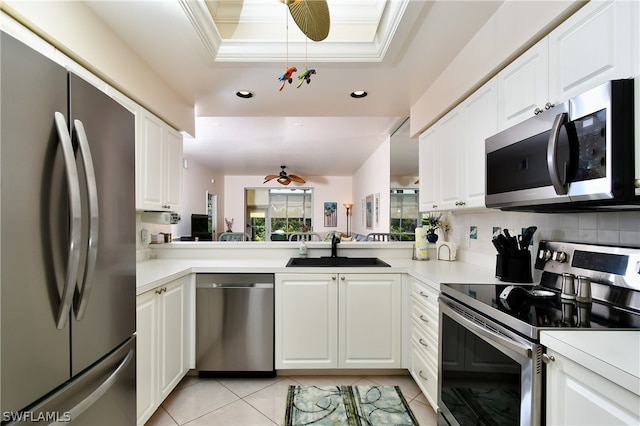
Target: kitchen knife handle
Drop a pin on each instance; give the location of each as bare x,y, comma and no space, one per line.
82,296
552,154
75,220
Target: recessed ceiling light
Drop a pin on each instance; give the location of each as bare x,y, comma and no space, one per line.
358,94
244,94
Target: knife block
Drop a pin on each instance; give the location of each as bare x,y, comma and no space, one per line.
514,269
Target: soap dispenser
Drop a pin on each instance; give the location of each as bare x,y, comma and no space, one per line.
302,248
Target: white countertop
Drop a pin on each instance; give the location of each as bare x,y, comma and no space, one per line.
613,354
153,273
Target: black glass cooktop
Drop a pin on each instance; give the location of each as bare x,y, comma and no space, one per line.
541,308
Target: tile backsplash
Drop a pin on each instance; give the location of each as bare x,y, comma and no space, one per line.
611,228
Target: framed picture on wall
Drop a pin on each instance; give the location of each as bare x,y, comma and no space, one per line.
330,214
377,209
369,210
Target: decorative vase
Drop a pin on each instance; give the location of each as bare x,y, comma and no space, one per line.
432,237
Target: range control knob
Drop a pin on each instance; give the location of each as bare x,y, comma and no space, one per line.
544,255
559,256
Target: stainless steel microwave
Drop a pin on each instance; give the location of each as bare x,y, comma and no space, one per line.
578,155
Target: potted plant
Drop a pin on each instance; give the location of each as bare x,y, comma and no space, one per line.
433,222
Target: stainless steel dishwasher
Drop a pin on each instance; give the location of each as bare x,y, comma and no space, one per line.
234,325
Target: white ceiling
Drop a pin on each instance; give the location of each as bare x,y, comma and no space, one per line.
207,51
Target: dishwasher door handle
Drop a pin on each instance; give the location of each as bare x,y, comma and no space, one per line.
238,286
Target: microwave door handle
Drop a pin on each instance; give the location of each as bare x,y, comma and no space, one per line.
552,154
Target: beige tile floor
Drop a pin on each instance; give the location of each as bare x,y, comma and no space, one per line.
262,402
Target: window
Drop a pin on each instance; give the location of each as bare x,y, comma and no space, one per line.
272,214
404,214
289,211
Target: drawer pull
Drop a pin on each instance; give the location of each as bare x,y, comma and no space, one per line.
423,294
423,343
424,319
420,374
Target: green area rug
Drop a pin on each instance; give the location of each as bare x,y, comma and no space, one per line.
347,405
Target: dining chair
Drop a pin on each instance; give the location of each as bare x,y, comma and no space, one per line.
306,236
381,236
234,236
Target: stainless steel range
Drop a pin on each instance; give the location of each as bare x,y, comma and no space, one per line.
491,361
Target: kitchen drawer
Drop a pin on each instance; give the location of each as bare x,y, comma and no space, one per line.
425,342
424,318
425,375
425,294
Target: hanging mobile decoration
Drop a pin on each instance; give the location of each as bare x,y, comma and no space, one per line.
287,75
306,75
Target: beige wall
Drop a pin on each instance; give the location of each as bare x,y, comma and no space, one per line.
372,178
74,30
514,27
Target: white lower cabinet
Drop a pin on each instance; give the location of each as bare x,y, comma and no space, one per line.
164,342
578,396
423,362
338,321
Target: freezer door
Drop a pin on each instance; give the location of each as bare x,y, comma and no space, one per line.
35,354
104,305
101,395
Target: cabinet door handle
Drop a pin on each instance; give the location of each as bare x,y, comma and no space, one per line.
423,343
547,359
422,376
333,278
423,294
537,111
342,277
425,320
548,105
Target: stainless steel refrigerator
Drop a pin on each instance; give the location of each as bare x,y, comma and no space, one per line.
67,212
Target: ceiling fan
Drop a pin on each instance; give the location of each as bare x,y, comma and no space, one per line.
311,16
284,178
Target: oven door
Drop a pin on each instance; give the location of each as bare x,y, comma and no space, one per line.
487,374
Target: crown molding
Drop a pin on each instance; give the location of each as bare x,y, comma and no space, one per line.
347,46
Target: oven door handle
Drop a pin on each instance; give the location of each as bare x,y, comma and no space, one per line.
487,335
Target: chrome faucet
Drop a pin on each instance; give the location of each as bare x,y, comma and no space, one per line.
335,240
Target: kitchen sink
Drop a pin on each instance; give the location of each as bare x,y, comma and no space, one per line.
336,262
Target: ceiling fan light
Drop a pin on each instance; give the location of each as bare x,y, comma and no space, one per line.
358,94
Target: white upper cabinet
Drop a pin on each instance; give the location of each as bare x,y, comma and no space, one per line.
158,159
428,153
523,86
593,46
450,134
452,154
158,166
480,122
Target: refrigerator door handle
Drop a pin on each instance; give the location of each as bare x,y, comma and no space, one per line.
75,221
84,290
96,394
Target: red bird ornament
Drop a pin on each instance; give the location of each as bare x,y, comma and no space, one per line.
287,76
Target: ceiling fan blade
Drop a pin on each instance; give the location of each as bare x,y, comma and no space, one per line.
311,16
267,178
296,178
